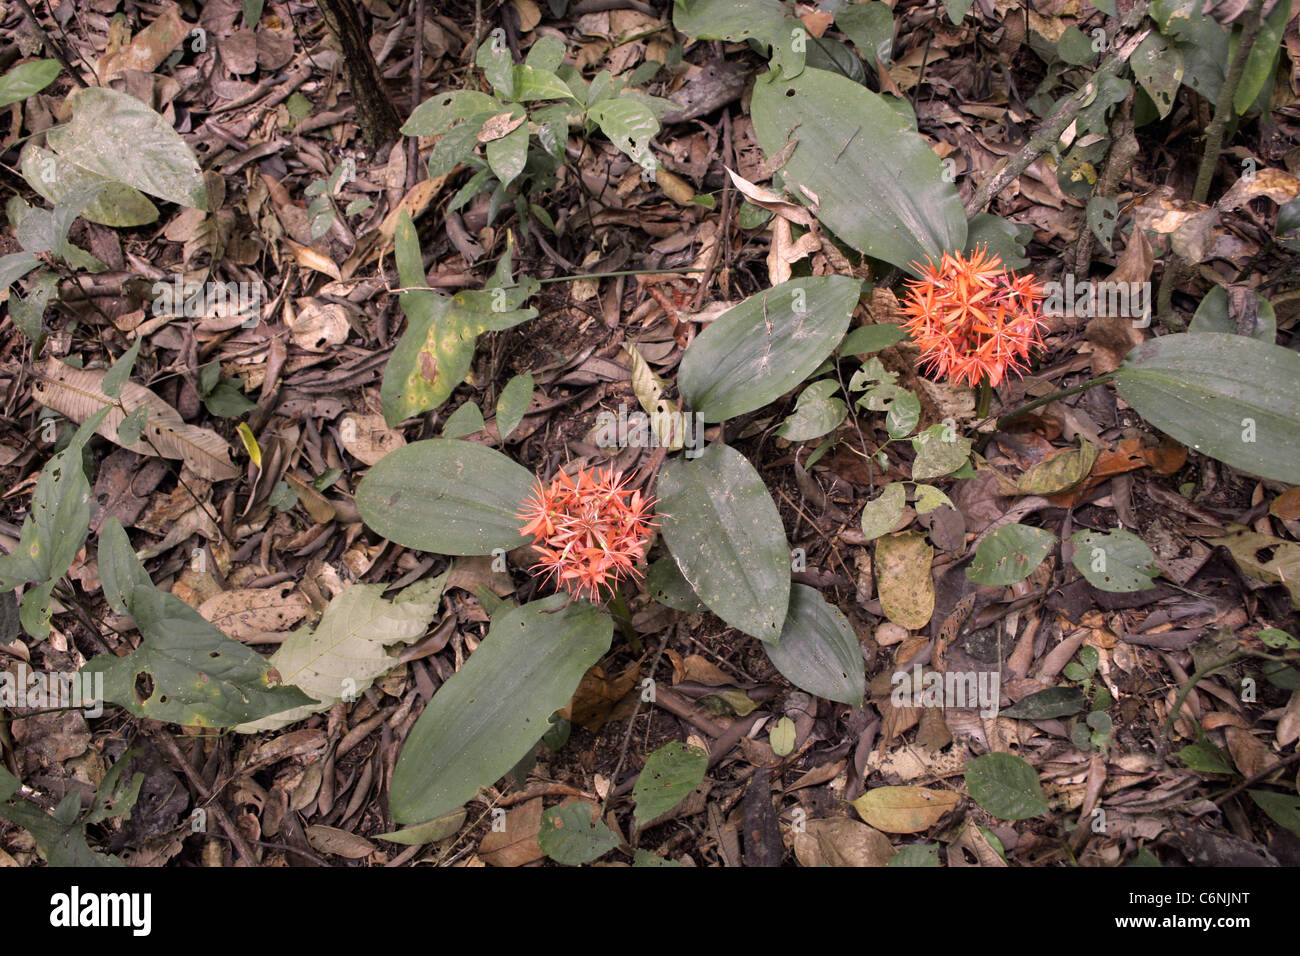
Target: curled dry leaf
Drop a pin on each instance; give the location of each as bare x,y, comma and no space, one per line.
367,438
76,393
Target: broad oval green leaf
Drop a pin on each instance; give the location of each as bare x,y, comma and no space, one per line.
1009,554
880,515
1006,786
442,111
879,185
817,412
26,79
1119,561
758,351
1192,386
725,534
116,137
668,777
818,651
513,403
492,711
571,836
57,180
1212,315
446,496
1046,704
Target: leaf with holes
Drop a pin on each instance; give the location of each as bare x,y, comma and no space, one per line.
494,710
668,777
185,671
818,651
762,348
574,834
1010,554
725,534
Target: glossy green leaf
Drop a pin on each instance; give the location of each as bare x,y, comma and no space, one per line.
762,348
818,651
1010,554
1118,562
1006,786
571,836
442,111
1261,62
446,496
668,777
767,21
185,671
629,124
725,533
926,854
871,338
465,420
493,711
880,187
1284,808
871,28
664,583
1191,386
506,156
116,137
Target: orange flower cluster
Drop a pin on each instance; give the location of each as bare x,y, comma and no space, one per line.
590,533
973,319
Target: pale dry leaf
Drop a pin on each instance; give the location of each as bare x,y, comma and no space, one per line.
76,394
252,612
367,438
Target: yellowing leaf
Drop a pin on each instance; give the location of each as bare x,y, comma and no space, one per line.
904,809
903,578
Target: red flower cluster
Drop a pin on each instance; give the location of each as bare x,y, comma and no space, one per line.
973,319
590,533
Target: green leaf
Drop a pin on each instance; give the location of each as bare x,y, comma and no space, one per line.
1010,554
766,21
762,348
348,649
57,180
1158,66
185,671
1190,386
880,515
442,111
1000,236
117,795
492,711
431,831
782,737
817,412
1046,704
571,836
880,186
227,401
61,838
926,854
116,137
668,777
818,651
435,352
1204,758
252,12
1261,62
506,156
16,265
465,420
27,79
446,496
1278,639
630,124
120,372
132,426
957,9
664,583
871,28
725,533
1075,48
9,784
904,413
1284,808
512,404
534,83
1212,316
871,338
1006,786
1115,562
546,53
493,57
938,452
646,858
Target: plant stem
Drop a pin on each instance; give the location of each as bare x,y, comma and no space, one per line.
1047,399
626,272
985,399
622,616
